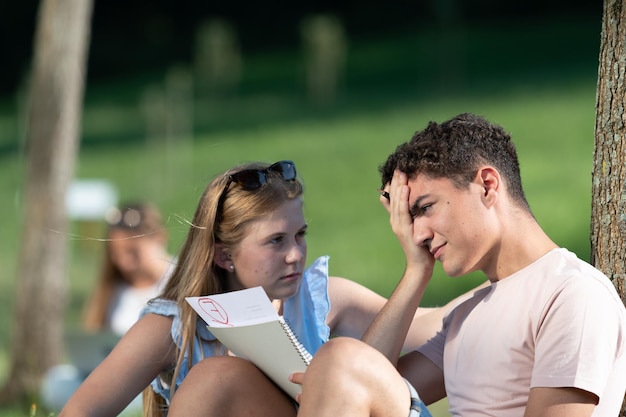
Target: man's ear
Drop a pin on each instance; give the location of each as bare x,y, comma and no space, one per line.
489,179
221,257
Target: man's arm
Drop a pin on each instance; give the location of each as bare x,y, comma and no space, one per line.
389,329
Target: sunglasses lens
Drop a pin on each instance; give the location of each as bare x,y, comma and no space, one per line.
286,169
252,179
249,179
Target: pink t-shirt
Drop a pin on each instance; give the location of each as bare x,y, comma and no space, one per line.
558,322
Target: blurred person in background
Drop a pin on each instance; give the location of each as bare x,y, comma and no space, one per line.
135,267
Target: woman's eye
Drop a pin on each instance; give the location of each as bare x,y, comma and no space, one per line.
277,239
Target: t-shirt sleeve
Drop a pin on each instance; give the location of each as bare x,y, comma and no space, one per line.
575,347
433,348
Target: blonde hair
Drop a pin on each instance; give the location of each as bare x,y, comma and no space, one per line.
196,273
137,219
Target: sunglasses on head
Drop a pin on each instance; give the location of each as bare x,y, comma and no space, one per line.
253,179
127,218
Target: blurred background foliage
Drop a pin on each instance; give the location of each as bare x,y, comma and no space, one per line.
157,127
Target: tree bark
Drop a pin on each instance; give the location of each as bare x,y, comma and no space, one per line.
608,208
54,114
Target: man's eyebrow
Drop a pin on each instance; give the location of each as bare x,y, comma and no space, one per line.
414,209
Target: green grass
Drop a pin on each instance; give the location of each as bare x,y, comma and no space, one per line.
337,151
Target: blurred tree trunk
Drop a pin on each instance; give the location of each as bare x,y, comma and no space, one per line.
53,128
608,208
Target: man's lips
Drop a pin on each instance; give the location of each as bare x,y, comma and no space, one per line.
436,251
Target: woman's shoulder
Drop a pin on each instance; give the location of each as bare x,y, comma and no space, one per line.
150,331
319,268
161,307
342,284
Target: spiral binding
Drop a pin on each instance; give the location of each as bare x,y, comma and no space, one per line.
302,351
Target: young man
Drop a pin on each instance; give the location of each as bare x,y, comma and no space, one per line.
546,339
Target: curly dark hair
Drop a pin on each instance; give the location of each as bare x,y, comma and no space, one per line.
455,149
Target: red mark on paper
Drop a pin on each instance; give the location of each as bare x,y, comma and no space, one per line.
214,310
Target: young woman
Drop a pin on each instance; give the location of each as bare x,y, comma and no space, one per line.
135,267
248,230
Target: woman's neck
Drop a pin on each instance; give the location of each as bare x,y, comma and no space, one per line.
278,305
153,275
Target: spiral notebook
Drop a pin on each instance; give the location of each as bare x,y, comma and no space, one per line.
246,322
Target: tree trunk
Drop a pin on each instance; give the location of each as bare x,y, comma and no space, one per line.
54,113
608,208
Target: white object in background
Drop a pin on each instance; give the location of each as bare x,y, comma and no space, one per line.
90,199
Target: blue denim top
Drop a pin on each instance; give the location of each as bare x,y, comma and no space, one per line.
305,313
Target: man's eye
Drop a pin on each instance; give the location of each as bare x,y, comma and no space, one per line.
425,208
420,211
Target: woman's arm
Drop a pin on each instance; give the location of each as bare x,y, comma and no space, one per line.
353,307
142,353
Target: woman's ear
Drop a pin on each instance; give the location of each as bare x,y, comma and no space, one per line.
222,257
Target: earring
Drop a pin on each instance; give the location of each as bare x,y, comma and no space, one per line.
232,268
